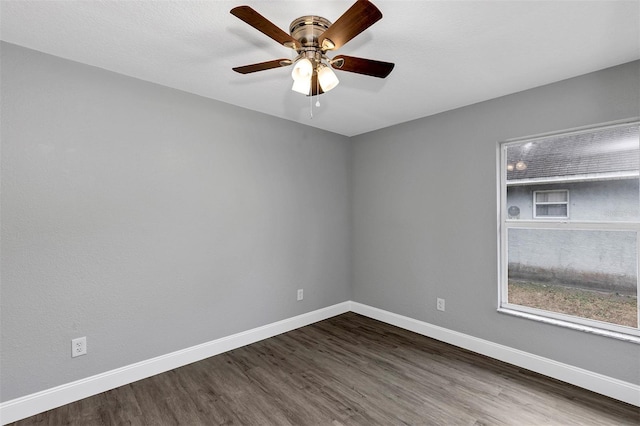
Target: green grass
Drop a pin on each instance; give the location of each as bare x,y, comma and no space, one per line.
608,307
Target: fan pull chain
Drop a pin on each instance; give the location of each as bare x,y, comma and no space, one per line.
310,104
317,92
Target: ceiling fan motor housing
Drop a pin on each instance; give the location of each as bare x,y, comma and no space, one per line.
307,30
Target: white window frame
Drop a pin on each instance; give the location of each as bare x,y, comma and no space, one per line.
629,334
537,203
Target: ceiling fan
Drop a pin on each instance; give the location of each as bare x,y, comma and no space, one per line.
312,37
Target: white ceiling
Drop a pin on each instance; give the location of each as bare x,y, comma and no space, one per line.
447,53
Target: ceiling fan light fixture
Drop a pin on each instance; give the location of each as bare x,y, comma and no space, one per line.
302,85
521,165
327,78
302,70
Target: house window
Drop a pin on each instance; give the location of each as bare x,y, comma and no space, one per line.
572,261
551,204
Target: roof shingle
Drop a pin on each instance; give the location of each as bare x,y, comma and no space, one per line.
614,149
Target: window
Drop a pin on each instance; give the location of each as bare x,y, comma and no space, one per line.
551,204
570,229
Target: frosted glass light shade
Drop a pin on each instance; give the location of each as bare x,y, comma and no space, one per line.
302,70
327,78
302,86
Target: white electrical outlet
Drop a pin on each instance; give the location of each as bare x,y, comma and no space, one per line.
440,304
78,347
300,294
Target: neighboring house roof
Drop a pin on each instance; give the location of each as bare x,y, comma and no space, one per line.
610,153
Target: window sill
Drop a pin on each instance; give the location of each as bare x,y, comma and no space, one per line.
566,324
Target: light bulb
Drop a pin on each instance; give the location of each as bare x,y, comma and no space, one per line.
302,86
327,78
302,70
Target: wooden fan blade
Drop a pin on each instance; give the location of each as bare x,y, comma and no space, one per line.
276,63
358,18
265,26
362,66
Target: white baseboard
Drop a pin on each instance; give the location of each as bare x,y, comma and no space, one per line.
39,402
604,385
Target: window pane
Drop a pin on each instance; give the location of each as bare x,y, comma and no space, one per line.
552,210
555,196
585,273
599,169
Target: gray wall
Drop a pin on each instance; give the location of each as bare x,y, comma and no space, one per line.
424,215
603,260
151,220
610,200
600,260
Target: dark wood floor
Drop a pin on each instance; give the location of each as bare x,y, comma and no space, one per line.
348,370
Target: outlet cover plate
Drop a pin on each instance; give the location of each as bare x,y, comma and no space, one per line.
78,347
